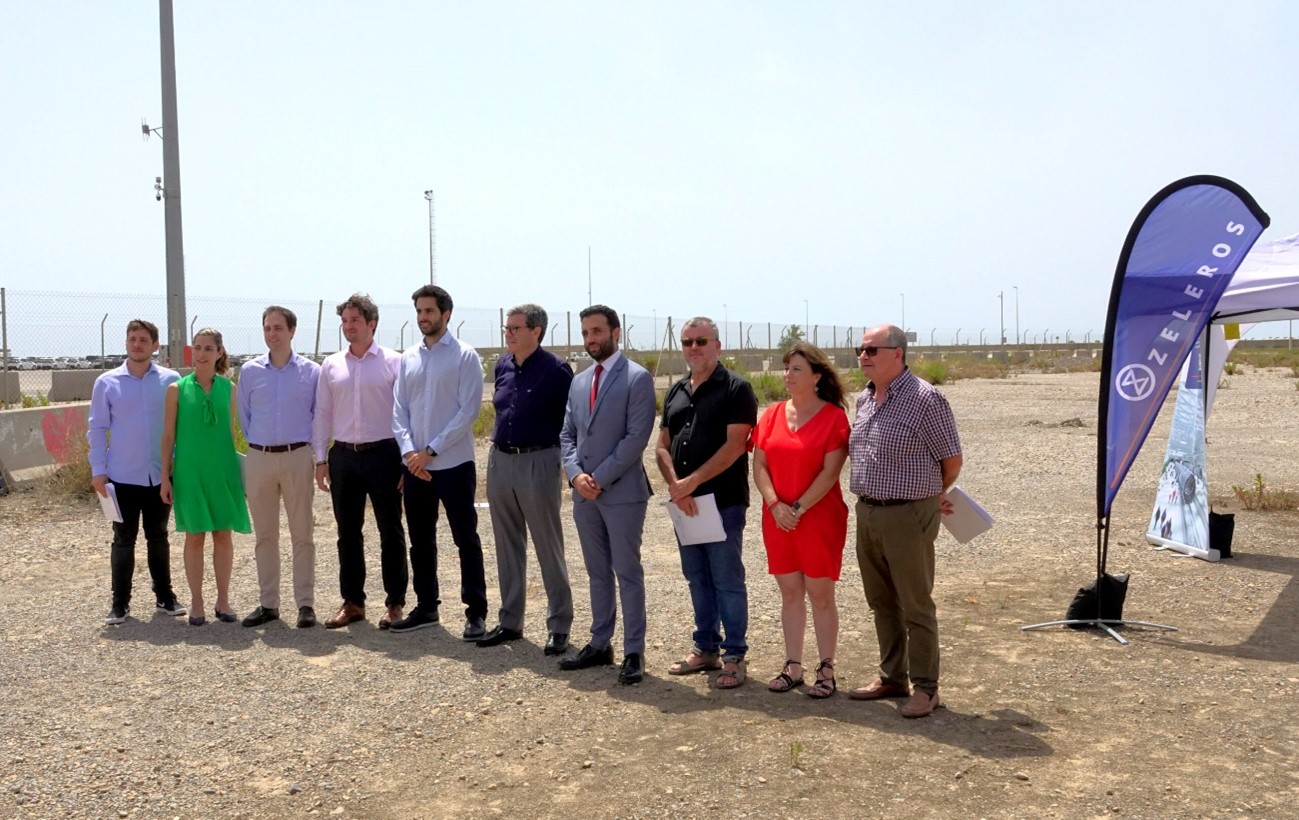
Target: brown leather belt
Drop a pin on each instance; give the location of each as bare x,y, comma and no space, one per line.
278,448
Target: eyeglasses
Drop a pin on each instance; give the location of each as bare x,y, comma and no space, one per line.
698,341
514,328
873,350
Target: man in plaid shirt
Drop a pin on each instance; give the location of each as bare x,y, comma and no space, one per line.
904,454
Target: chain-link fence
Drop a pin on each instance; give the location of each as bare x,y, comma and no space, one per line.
47,332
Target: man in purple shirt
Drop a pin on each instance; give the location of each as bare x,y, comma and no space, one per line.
277,401
525,479
128,403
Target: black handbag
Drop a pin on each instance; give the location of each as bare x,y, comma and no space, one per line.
1087,605
1221,527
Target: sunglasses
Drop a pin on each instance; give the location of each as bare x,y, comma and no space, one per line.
698,341
872,350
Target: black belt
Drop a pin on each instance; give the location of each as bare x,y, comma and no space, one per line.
884,502
278,448
531,448
362,446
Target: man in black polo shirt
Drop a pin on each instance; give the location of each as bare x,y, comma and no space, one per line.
702,449
524,478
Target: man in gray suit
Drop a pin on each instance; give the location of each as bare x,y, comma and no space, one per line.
607,425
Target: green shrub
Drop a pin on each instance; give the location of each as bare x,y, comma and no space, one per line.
72,479
485,424
768,387
37,399
933,371
1258,496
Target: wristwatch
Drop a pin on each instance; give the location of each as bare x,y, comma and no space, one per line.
431,452
796,506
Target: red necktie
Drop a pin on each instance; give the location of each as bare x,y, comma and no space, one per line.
595,385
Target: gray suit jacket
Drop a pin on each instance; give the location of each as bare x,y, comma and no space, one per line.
608,441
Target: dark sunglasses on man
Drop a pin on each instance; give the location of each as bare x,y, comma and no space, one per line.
872,350
698,341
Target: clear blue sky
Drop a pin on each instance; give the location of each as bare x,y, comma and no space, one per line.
751,155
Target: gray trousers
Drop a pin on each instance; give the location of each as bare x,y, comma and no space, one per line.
611,535
523,494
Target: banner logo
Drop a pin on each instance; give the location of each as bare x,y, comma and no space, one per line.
1135,382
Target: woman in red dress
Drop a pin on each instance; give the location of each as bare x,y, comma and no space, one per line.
800,446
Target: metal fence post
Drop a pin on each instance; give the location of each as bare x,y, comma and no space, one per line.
4,348
320,317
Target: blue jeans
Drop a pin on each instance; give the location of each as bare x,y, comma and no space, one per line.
715,573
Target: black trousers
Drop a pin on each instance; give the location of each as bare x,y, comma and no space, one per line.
354,476
455,489
140,503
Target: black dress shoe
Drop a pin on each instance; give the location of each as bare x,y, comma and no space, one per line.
498,636
259,616
633,669
557,643
588,657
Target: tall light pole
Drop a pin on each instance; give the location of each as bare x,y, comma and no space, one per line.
1016,287
1001,298
432,265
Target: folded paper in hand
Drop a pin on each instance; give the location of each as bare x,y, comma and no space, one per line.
704,527
108,503
968,518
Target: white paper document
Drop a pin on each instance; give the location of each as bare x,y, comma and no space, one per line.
705,527
968,518
108,503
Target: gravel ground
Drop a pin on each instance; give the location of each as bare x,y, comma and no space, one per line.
157,719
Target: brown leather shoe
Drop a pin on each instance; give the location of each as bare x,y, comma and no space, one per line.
880,688
393,614
348,613
922,704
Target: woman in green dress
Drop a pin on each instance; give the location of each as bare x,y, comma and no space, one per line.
200,470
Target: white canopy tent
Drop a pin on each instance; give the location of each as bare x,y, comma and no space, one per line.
1265,287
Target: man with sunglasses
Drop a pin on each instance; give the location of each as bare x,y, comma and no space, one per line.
702,450
905,454
523,478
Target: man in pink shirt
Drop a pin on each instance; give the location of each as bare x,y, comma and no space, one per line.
354,409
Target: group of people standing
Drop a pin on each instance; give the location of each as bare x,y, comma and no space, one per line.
396,428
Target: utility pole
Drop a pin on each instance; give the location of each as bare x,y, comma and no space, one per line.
171,188
1016,287
432,265
1001,298
589,302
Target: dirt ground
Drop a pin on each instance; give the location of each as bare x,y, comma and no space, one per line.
157,719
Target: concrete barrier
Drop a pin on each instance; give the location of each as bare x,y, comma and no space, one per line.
10,389
72,385
35,440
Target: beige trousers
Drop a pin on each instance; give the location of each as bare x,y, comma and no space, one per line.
270,477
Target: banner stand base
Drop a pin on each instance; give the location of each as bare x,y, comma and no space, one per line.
1101,624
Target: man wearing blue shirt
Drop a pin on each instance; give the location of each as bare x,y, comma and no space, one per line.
277,401
128,403
523,478
437,397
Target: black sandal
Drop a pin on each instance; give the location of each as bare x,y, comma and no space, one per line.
824,687
784,682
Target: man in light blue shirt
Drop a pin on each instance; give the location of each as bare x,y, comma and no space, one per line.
277,403
128,403
437,397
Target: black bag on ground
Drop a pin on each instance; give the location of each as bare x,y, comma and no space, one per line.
1085,606
1221,528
